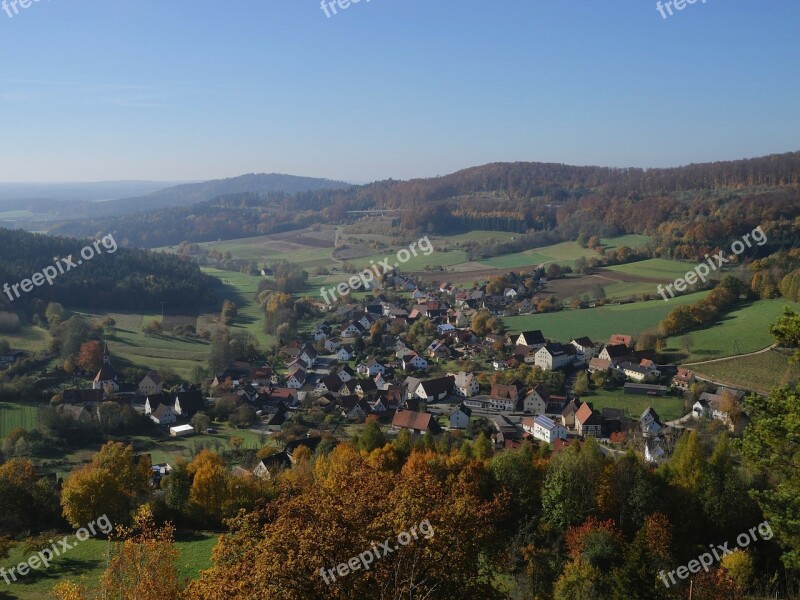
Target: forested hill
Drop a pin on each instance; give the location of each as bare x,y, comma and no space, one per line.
192,193
124,279
713,200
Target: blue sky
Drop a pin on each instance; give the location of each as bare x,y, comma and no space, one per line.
191,89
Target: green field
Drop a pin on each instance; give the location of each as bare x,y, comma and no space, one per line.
655,268
565,253
30,339
759,372
86,561
748,327
667,407
16,415
600,323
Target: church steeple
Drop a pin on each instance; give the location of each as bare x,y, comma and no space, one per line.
106,355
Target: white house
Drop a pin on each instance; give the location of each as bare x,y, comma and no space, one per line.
163,415
445,328
535,402
150,385
551,357
296,380
547,430
413,361
459,418
653,451
333,344
371,368
585,348
650,423
435,389
637,372
534,339
346,353
466,384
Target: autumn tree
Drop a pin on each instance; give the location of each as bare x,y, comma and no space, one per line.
90,356
109,485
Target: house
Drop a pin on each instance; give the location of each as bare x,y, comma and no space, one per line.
439,350
683,379
309,354
551,357
414,362
585,348
354,407
654,451
434,390
268,466
505,397
510,293
459,418
531,338
346,353
330,383
717,405
346,373
365,387
274,419
613,419
389,399
189,403
650,423
107,375
296,379
619,338
535,403
163,415
76,412
466,384
546,430
588,422
568,413
637,372
354,329
371,368
150,385
615,353
416,422
444,328
333,345
181,431
599,364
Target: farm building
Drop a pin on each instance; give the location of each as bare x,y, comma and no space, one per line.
181,430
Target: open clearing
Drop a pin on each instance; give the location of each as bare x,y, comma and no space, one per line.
667,407
739,332
16,415
86,561
600,323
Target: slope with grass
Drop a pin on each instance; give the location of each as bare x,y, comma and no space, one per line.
86,562
600,323
16,415
743,330
759,372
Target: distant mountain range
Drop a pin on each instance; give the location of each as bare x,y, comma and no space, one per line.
30,206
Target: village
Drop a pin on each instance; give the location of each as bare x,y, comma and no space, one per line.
394,359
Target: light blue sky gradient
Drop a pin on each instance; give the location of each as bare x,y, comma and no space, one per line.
193,89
